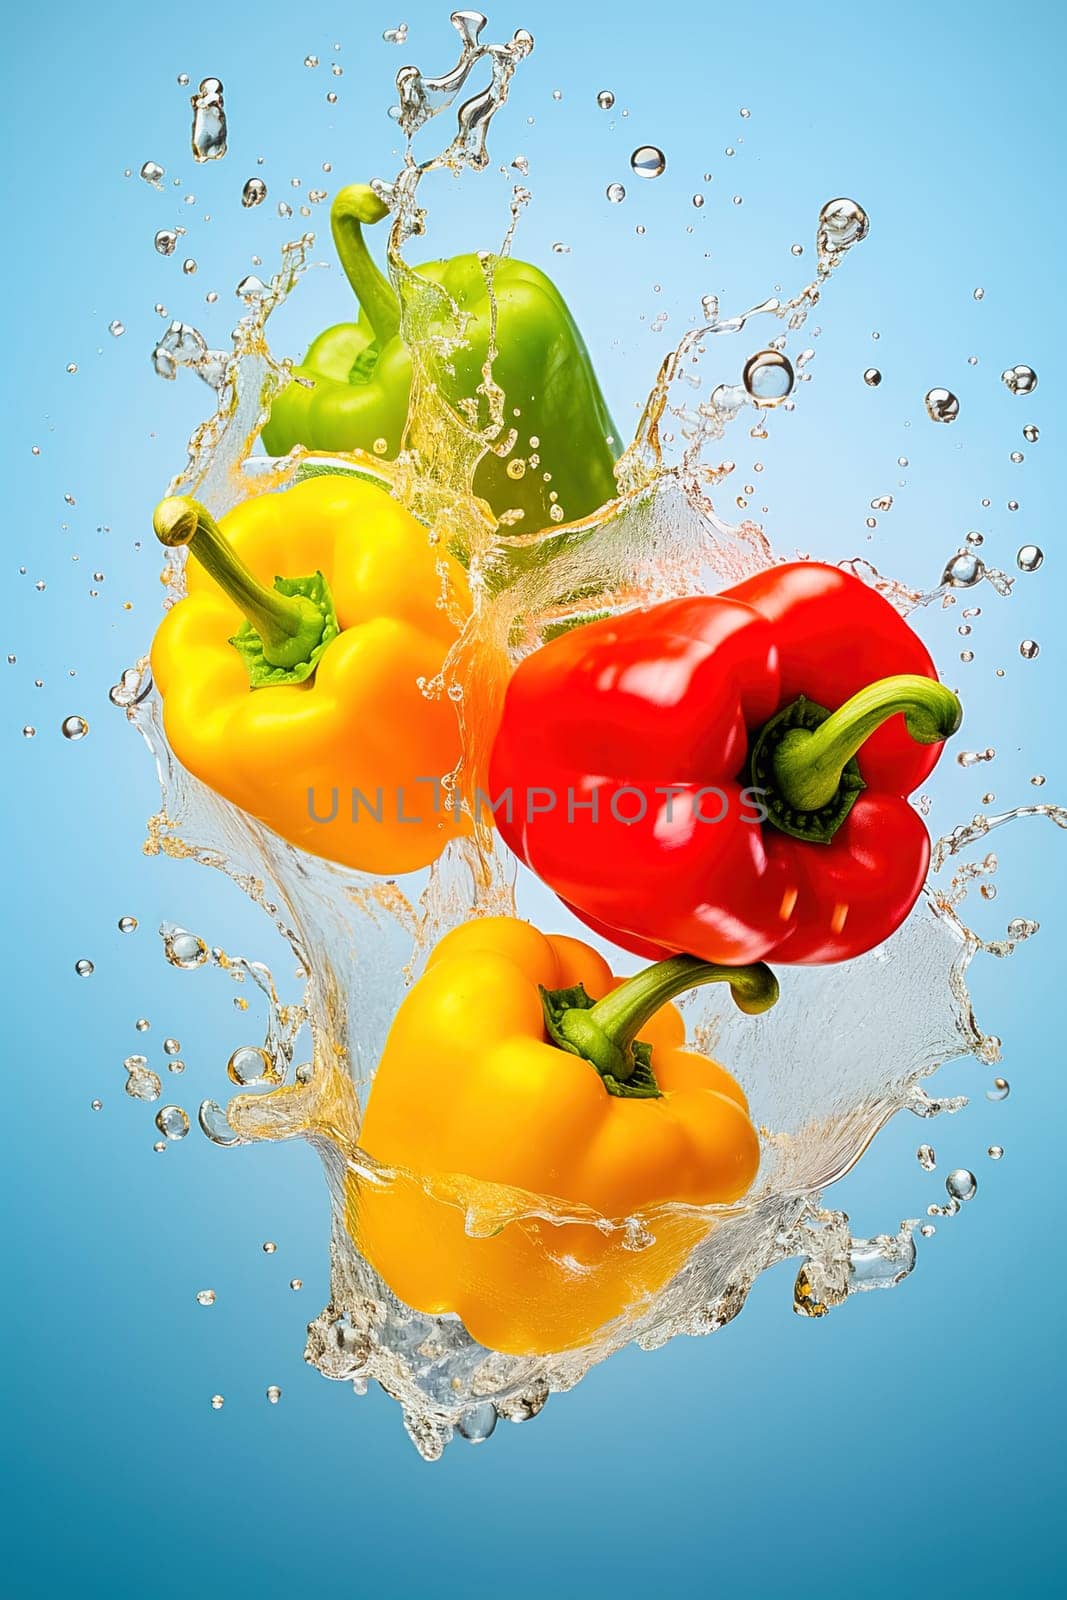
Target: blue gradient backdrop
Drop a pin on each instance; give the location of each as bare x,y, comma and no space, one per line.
911,1440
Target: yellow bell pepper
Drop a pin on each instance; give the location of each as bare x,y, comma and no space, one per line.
501,1074
301,702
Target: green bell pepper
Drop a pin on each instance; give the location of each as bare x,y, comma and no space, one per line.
355,378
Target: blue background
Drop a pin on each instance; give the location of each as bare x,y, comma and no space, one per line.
910,1439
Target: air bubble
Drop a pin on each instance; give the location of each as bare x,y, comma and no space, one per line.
84,968
1029,557
605,99
205,1297
872,377
274,1394
1029,648
172,1122
153,173
209,121
253,193
926,1158
127,924
184,949
74,727
165,241
1000,1091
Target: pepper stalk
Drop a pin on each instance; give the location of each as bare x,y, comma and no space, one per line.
286,628
604,1032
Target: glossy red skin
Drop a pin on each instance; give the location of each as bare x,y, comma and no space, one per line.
672,696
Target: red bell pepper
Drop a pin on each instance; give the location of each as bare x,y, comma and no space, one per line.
727,774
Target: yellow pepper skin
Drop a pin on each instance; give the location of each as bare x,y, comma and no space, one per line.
357,735
471,1093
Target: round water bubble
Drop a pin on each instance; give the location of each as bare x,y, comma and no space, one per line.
615,193
1019,380
961,1184
172,1122
84,968
942,405
872,377
1000,1090
205,1297
768,377
251,1064
1029,648
995,1152
254,192
963,571
217,1402
1031,434
842,223
214,1124
184,949
166,241
74,727
274,1394
605,99
648,161
1029,557
127,924
153,173
477,1424
269,1247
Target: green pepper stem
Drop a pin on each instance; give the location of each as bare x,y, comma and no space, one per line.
605,1032
352,208
808,764
290,627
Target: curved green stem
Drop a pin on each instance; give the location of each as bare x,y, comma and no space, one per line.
605,1033
290,627
352,208
808,763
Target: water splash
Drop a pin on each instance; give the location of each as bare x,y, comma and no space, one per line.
360,939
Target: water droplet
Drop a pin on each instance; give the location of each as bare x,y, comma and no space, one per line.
208,137
926,1158
739,200
159,1146
127,924
172,1121
961,1184
251,1064
141,1082
698,200
312,61
116,328
927,1230
142,1024
1038,780
72,367
153,173
205,1297
963,571
1029,648
217,1402
605,99
296,1283
184,949
274,1394
872,377
768,377
1016,457
648,161
214,1124
995,1152
165,241
561,249
269,1247
478,1423
188,266
96,1105
842,223
1031,434
29,731
1029,557
979,294
615,193
254,192
84,968
74,727
1000,1091
397,35
1020,380
942,405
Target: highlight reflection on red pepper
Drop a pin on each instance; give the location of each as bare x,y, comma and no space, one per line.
803,683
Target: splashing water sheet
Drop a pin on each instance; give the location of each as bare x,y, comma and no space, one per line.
847,1048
